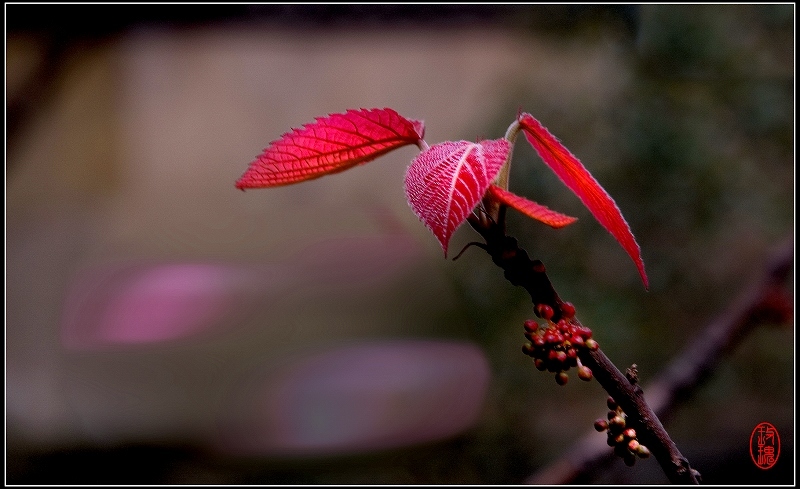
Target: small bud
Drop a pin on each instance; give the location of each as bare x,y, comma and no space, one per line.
585,373
544,311
567,310
527,349
633,445
539,341
642,451
601,425
629,433
562,378
611,403
577,340
617,422
561,357
592,344
612,414
531,325
540,364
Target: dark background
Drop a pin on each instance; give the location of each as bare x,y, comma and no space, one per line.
684,113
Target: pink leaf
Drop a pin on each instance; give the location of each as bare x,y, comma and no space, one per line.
445,182
570,170
530,208
330,145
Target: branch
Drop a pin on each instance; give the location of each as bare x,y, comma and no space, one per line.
521,271
767,300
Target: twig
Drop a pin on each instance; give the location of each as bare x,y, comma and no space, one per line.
767,300
521,271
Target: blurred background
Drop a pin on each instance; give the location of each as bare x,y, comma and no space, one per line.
164,327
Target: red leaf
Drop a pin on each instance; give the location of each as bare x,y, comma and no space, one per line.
445,182
530,208
570,170
330,145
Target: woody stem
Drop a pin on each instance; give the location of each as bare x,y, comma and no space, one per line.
521,271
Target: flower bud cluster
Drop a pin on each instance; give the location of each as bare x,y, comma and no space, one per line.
554,346
620,437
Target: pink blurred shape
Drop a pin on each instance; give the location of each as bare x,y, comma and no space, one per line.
149,303
359,398
129,305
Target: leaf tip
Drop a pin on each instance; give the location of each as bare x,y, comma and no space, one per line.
643,274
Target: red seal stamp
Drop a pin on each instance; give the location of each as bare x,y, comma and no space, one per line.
765,446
